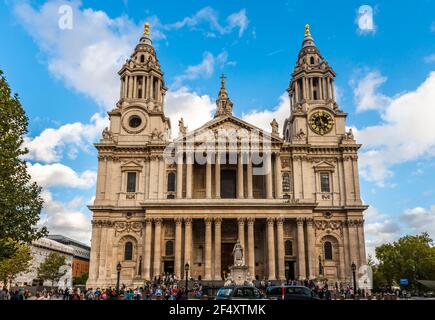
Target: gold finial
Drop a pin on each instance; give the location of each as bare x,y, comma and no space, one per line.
223,80
307,30
146,29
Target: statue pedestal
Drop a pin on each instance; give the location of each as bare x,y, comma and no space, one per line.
239,274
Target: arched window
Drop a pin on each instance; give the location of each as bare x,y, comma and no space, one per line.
327,246
171,182
128,251
312,60
169,249
286,182
142,58
288,248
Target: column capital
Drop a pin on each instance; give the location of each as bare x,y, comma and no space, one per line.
280,220
241,220
270,220
251,221
158,221
187,220
208,221
310,221
178,221
217,220
300,221
148,220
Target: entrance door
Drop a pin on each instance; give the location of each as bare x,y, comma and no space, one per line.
228,184
226,257
168,267
290,270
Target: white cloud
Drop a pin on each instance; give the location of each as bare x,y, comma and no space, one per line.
403,135
208,15
205,69
365,92
365,20
193,108
50,144
88,57
263,118
59,175
66,219
420,220
381,228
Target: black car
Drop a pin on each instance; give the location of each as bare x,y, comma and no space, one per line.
239,293
290,293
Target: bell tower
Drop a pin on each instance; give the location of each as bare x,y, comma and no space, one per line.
315,115
139,114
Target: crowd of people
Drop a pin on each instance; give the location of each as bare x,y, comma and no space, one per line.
168,287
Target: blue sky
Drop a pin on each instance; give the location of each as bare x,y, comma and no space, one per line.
67,81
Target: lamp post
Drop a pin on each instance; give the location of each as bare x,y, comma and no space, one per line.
186,270
354,279
118,269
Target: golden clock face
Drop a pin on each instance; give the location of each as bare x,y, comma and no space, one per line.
321,122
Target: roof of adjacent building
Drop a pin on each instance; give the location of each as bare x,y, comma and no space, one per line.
80,249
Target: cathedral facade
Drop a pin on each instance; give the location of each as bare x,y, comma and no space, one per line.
291,199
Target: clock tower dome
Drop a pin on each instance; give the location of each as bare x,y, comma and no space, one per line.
315,115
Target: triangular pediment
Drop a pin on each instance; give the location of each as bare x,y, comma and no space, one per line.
229,123
131,165
324,166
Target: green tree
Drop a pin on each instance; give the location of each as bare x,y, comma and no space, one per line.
410,257
20,200
80,280
51,269
19,262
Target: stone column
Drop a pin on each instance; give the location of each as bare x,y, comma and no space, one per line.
280,241
94,261
251,247
157,246
241,235
208,248
342,270
189,174
346,245
217,178
311,89
353,242
208,178
361,243
240,191
310,249
161,187
217,248
271,248
278,177
249,177
178,242
148,239
130,87
180,175
188,241
268,168
301,249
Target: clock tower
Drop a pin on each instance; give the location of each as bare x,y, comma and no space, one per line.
315,115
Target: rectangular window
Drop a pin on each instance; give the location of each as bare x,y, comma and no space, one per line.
131,182
324,182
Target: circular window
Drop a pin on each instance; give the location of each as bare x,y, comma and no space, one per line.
135,121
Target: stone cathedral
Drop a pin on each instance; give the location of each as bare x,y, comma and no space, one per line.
299,218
